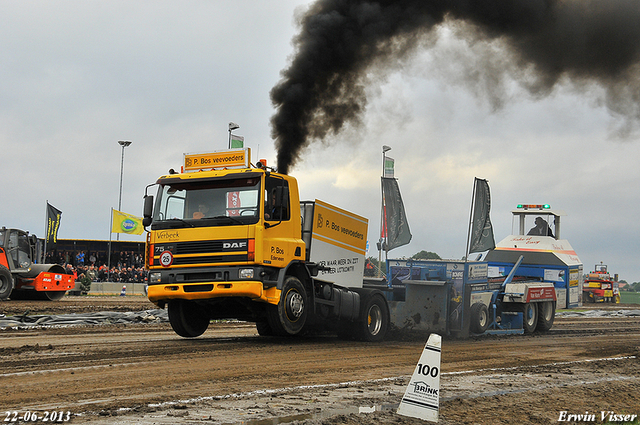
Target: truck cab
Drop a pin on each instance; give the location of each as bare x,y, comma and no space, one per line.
221,235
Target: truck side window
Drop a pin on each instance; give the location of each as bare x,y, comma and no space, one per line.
277,206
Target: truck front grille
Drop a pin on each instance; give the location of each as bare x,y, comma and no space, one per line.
197,253
181,261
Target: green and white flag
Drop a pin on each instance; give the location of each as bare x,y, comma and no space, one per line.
388,167
237,142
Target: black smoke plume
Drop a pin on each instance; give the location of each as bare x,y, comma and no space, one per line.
549,41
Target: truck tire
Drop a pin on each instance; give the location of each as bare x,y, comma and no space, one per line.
546,315
6,283
187,318
263,328
479,318
374,319
290,315
529,317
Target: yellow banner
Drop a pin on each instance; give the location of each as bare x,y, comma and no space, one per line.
339,227
223,159
126,223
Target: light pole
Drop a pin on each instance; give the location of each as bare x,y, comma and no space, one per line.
232,126
385,149
124,144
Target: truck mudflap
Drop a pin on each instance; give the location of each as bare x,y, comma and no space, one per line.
527,292
201,291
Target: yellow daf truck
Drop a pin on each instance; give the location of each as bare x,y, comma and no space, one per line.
231,240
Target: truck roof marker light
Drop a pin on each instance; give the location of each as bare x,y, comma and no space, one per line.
534,206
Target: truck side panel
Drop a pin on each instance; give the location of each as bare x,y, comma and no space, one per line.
338,243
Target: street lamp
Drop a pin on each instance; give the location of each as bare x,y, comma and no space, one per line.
232,126
124,144
385,149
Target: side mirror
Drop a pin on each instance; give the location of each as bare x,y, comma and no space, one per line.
147,211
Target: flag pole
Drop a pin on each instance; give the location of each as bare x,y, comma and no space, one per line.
109,256
381,241
473,196
383,230
46,232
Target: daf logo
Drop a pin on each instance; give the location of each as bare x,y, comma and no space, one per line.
232,245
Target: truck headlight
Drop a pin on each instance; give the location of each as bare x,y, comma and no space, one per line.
245,273
155,277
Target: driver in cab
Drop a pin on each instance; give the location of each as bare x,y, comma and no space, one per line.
201,213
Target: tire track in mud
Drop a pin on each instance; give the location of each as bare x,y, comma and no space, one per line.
122,370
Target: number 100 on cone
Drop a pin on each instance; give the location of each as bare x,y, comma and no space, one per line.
422,397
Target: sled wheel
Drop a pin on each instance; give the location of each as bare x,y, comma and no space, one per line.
6,283
479,318
374,319
187,318
546,315
290,315
529,317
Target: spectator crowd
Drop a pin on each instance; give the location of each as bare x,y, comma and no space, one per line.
124,267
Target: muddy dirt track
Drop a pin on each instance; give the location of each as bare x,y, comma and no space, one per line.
145,374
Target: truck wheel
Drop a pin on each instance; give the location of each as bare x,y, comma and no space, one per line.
529,317
263,328
6,283
187,318
290,315
546,315
374,319
479,318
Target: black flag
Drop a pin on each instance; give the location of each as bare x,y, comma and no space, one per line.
395,219
53,223
481,231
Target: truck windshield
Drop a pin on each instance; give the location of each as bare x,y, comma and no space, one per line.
199,203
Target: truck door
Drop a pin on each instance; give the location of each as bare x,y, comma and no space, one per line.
282,230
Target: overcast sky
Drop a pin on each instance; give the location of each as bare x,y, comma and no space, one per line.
78,76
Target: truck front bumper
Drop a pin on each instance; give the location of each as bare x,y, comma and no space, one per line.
202,284
203,291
